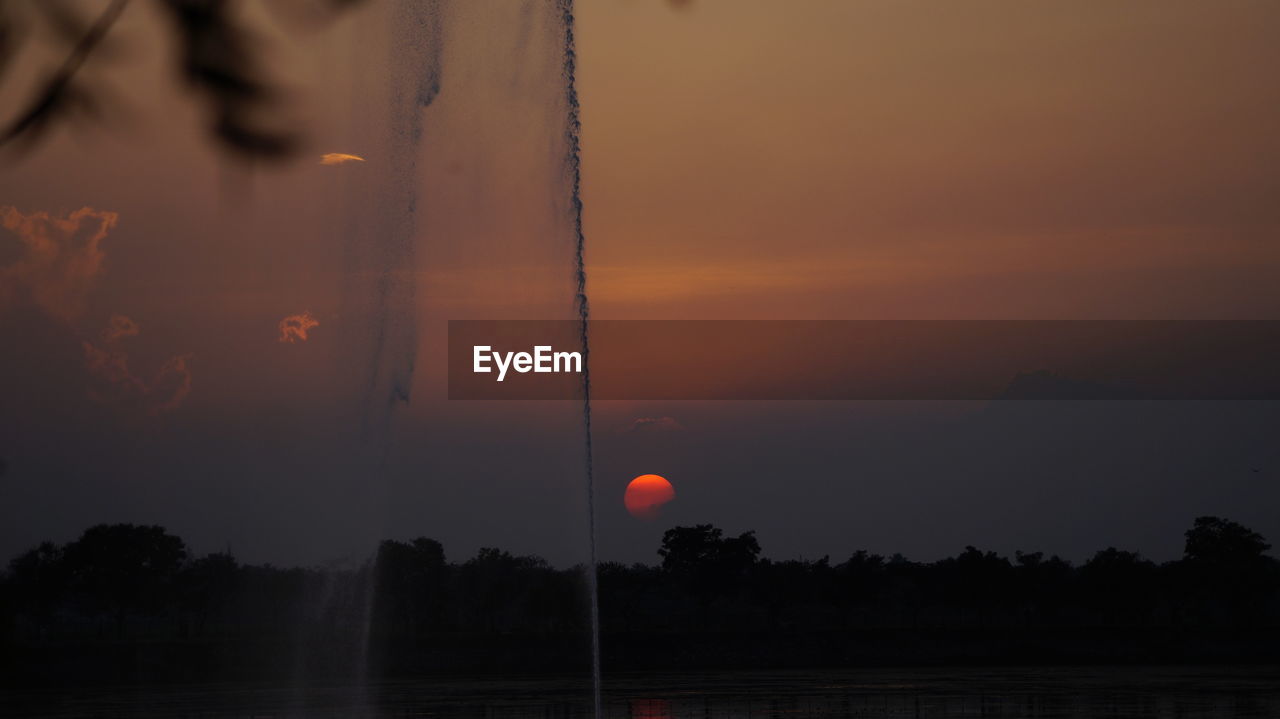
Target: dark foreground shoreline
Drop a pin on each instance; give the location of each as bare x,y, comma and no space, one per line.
115,662
126,604
1051,692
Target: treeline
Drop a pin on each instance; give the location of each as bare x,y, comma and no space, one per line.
706,580
130,602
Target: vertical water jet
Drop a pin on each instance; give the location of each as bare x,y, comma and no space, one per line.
417,37
573,136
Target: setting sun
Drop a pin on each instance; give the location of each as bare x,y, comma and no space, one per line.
646,494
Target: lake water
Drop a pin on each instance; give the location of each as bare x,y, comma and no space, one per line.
1046,693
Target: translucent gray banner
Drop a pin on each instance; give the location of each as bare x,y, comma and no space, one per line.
867,360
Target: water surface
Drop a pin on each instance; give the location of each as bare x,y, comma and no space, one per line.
1045,693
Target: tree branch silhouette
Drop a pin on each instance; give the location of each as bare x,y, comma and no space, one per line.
216,60
59,95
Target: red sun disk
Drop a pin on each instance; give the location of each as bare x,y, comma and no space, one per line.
646,494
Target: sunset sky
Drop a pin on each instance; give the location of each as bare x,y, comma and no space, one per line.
192,350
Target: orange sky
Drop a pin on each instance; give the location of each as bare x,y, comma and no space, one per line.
848,161
986,159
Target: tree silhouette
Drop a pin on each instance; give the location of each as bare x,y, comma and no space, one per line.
702,549
1120,584
1221,541
410,585
119,569
1228,575
708,564
1044,586
208,587
38,582
975,582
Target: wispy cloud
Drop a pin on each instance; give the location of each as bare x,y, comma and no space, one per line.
294,328
339,158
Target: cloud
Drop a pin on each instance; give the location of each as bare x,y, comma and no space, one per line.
111,366
172,381
654,424
58,258
119,327
117,383
52,263
294,327
339,158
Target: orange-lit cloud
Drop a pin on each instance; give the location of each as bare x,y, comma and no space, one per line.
112,367
119,326
339,158
58,261
172,381
117,383
294,327
58,258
